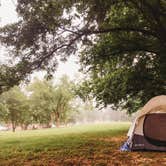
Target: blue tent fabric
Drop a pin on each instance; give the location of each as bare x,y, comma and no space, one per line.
125,147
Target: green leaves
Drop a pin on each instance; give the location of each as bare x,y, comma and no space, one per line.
41,103
49,101
14,107
123,44
123,72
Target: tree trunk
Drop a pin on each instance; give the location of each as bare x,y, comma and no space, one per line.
57,122
22,127
57,119
13,127
25,127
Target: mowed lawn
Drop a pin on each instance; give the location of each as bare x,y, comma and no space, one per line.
96,144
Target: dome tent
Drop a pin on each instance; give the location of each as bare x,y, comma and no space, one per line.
148,131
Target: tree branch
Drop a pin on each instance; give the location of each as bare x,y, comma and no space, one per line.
119,29
54,49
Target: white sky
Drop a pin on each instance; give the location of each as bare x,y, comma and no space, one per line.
9,15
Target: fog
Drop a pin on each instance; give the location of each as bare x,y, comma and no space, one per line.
100,116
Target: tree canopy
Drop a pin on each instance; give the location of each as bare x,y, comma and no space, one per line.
14,108
41,103
123,44
51,102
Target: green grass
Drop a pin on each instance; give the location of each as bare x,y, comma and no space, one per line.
96,144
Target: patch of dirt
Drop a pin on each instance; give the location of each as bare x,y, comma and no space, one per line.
95,154
111,158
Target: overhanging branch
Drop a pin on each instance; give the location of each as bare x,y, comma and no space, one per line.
119,29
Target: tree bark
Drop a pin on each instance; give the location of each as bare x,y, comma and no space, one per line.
57,119
13,127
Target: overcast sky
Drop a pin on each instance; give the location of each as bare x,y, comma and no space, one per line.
9,15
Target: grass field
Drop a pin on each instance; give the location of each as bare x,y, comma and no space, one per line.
96,145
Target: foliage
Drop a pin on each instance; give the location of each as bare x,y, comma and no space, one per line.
130,34
9,77
123,79
13,107
43,103
51,103
40,92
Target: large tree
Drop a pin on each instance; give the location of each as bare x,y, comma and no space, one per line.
51,103
40,101
63,97
125,34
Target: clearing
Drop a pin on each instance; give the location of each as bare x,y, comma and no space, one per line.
93,145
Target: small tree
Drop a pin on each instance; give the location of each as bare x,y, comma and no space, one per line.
12,103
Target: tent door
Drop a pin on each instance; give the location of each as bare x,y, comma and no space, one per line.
154,128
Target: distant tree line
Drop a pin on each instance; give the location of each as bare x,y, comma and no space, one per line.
41,103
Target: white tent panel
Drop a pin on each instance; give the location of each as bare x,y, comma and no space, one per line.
155,105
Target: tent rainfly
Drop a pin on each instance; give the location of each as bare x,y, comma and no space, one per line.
148,131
